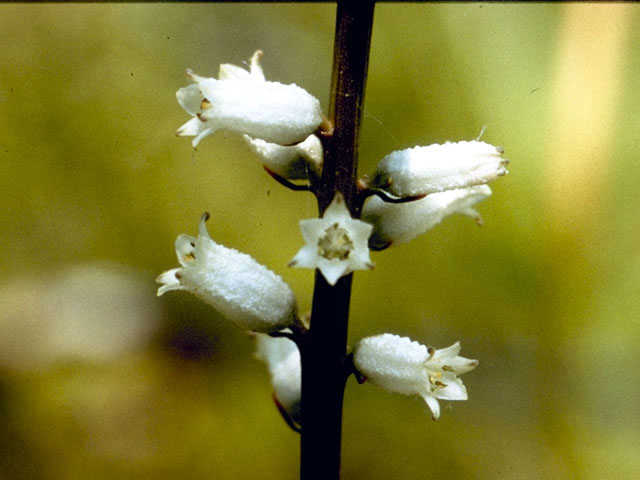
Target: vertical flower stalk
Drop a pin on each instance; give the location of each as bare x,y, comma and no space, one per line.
324,346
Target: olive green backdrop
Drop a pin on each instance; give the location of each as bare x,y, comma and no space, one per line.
100,379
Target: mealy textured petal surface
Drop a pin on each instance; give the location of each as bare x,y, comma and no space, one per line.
232,282
437,168
401,365
283,361
401,223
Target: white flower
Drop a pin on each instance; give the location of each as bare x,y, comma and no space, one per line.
400,223
283,361
294,162
336,243
232,282
244,102
400,365
436,168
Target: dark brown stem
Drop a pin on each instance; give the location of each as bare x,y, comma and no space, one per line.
323,347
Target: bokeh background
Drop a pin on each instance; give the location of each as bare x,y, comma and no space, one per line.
100,379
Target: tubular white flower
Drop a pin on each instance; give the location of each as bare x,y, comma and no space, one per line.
244,102
400,223
401,365
294,162
232,282
283,361
336,243
437,168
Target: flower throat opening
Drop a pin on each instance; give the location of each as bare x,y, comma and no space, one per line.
335,244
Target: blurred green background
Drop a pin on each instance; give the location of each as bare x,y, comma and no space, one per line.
100,379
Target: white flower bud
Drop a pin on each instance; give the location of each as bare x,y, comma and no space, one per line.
436,168
294,162
244,102
232,282
396,224
336,243
400,365
283,361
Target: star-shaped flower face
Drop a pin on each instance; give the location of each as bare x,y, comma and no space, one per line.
400,365
336,243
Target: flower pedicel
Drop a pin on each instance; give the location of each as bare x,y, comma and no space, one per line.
395,224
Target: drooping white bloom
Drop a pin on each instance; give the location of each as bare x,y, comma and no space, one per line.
336,243
396,224
244,102
232,282
436,168
283,361
294,162
401,365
